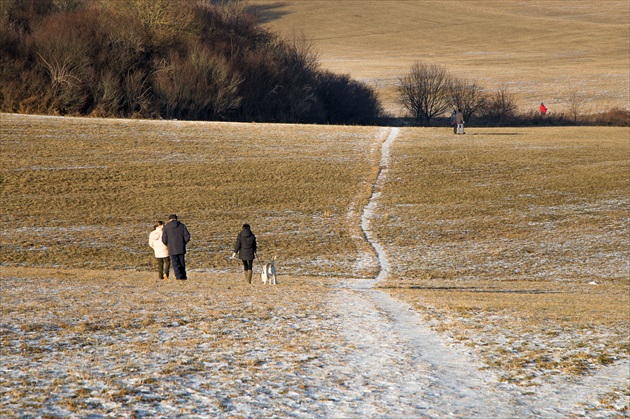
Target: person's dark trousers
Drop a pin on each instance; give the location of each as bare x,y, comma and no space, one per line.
163,265
179,266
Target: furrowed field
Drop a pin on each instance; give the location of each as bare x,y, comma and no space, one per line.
512,241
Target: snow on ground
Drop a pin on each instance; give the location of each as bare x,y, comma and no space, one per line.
400,368
402,364
213,347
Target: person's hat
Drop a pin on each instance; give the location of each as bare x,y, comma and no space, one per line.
172,217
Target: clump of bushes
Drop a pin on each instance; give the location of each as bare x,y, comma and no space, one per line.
166,58
614,116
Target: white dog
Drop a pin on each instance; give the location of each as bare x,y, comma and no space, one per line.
268,274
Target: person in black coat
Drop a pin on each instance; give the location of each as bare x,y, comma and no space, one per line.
175,236
245,247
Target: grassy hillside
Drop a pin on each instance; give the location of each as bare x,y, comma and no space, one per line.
542,50
86,192
514,241
511,240
508,204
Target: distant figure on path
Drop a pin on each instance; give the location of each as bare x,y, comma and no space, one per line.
245,247
459,118
543,109
160,250
176,236
454,121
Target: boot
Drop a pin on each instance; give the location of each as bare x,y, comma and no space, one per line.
248,276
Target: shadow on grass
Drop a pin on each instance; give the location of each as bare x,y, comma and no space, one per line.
268,12
497,133
473,289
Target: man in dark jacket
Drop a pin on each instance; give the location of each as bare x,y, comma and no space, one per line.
246,248
459,119
175,237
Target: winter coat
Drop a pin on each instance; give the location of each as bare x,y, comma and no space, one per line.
175,236
245,245
155,241
459,118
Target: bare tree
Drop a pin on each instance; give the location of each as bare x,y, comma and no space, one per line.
424,92
67,5
234,8
297,82
137,92
501,106
576,105
63,53
148,24
467,96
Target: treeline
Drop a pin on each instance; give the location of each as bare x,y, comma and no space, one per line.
429,91
171,59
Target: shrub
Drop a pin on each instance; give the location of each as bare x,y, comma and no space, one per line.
347,101
198,85
467,96
500,107
614,117
174,58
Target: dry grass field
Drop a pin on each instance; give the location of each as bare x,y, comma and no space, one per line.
510,242
542,50
515,241
86,192
79,343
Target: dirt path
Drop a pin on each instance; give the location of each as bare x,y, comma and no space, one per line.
401,368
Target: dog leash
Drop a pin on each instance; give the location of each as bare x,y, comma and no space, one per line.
262,265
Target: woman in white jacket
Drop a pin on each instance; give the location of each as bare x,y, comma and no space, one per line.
160,250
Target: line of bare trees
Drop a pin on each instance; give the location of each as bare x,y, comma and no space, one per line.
184,59
429,91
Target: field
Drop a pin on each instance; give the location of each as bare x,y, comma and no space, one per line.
94,192
421,274
517,237
511,245
543,51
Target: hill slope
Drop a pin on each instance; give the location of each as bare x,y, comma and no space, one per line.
543,50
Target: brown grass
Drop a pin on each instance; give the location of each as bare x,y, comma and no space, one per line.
86,192
542,50
509,237
88,337
508,204
495,236
530,329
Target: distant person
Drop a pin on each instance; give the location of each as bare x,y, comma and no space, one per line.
176,236
543,109
454,121
245,248
459,119
160,250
